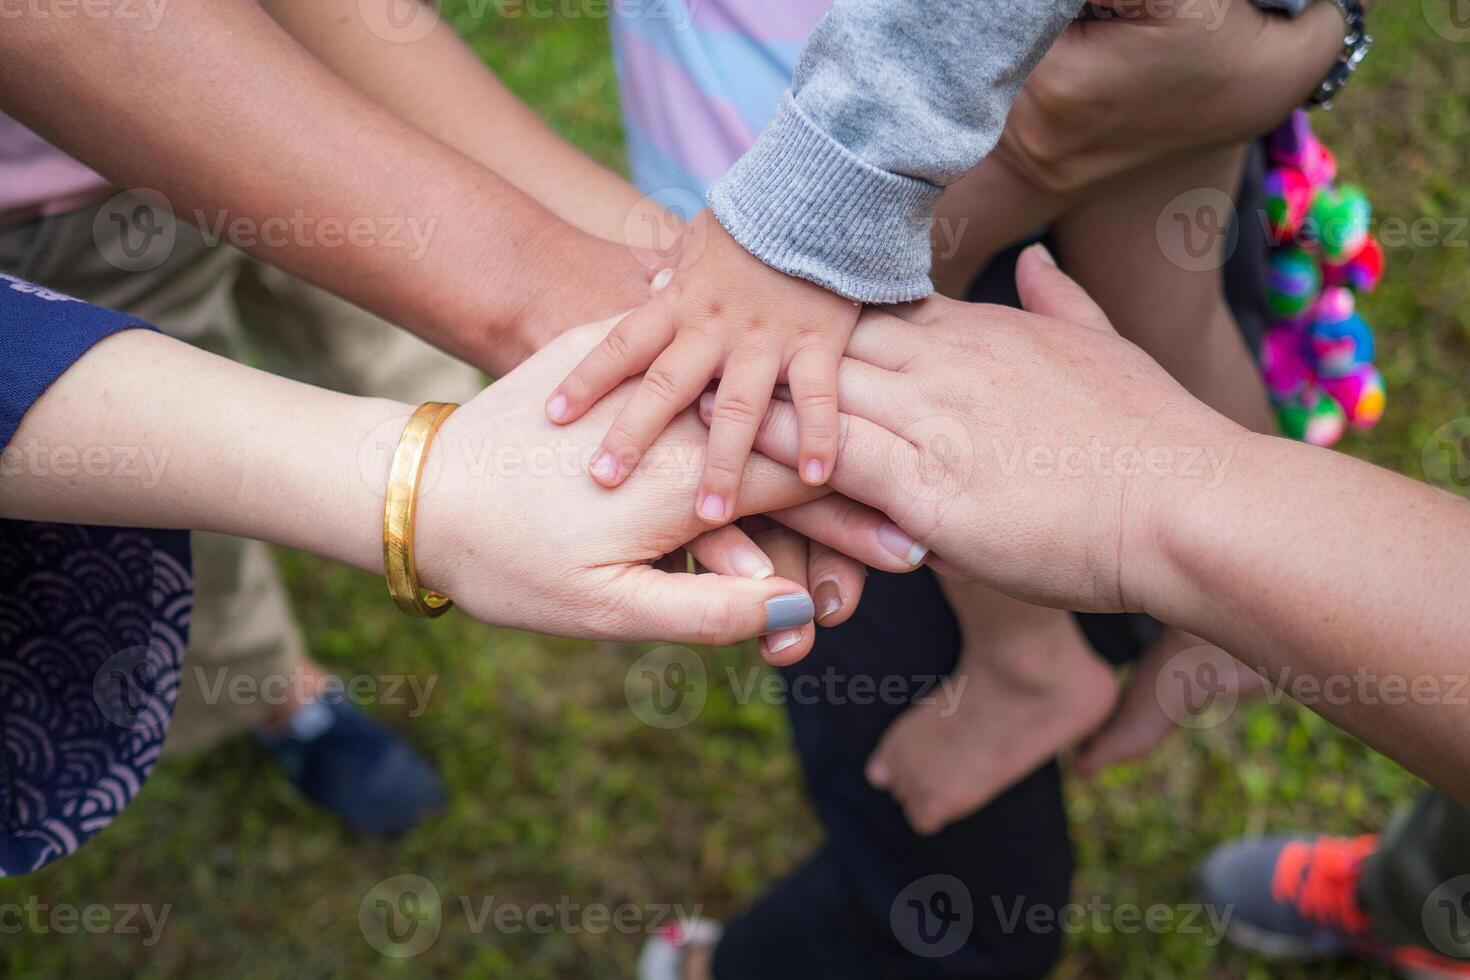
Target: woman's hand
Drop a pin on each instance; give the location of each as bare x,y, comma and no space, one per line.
510,527
1028,449
1135,86
147,431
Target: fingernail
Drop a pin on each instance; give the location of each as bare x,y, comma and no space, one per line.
556,409
1043,253
712,507
604,467
787,611
707,405
813,472
828,597
777,642
877,774
893,538
662,279
748,563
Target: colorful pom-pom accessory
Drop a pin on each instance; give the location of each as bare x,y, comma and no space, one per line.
1317,358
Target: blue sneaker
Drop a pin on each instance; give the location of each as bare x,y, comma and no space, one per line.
355,767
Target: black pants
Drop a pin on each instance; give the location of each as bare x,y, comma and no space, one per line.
877,900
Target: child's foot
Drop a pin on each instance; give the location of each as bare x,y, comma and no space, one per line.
1297,898
1027,686
1150,711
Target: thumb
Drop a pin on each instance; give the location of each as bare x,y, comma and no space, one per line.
711,609
1048,291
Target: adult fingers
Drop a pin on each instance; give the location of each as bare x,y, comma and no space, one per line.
868,459
1048,291
671,383
856,530
628,349
711,609
835,582
788,551
739,405
729,550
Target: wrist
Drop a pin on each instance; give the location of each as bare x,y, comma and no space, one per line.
444,504
578,278
1170,518
1296,53
325,493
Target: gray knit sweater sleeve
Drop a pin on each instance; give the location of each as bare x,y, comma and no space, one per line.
892,101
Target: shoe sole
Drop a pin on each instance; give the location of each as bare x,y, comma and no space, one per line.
1276,946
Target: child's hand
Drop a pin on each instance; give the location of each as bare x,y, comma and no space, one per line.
726,315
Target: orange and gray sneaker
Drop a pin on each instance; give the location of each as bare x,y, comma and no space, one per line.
1299,898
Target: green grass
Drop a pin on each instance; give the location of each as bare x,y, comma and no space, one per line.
559,792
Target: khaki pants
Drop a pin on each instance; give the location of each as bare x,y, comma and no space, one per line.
219,299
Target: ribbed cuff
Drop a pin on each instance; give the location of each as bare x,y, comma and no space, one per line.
804,204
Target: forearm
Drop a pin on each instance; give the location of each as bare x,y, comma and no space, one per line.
232,120
138,433
436,83
1334,575
989,209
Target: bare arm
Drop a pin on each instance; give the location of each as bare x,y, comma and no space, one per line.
218,108
1348,582
508,525
1053,460
431,79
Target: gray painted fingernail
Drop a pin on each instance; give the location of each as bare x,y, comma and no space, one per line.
787,611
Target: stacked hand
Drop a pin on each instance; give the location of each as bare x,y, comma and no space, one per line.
725,315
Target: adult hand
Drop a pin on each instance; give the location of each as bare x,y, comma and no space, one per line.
1026,448
510,527
1137,85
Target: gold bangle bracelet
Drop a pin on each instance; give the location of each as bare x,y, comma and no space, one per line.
398,513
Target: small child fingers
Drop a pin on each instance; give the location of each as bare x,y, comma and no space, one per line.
812,377
672,382
739,406
626,350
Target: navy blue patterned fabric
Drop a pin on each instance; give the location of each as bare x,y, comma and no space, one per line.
93,621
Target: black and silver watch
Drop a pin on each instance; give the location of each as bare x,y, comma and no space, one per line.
1355,46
